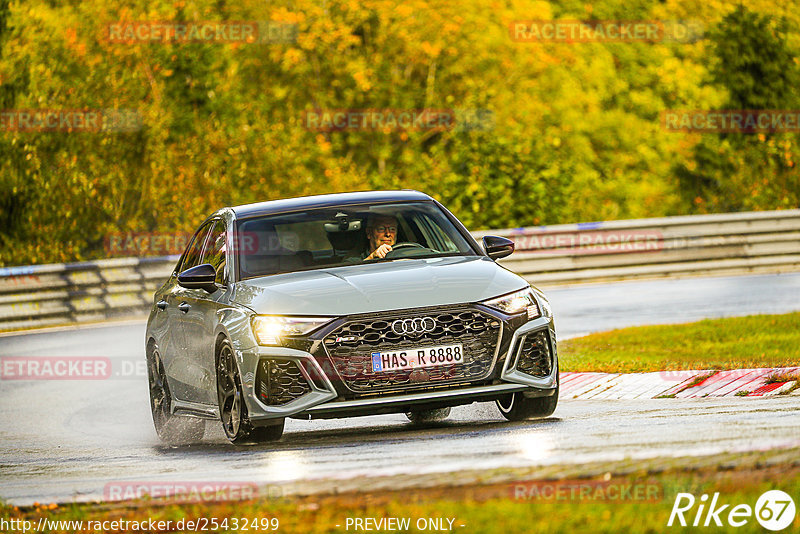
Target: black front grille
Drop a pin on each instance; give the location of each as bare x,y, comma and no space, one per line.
351,346
280,382
534,355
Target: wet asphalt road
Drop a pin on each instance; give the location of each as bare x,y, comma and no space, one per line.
68,440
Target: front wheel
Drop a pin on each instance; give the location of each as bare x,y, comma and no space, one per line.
517,407
232,409
173,429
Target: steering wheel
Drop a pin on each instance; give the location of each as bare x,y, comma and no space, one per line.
407,244
398,248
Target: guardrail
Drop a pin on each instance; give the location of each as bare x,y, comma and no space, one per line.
63,293
738,243
732,243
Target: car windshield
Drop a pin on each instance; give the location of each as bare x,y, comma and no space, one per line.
346,235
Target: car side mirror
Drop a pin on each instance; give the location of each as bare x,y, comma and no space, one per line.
199,277
497,247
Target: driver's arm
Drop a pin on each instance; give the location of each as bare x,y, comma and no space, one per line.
379,252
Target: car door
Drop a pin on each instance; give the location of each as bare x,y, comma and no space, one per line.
183,379
167,326
200,319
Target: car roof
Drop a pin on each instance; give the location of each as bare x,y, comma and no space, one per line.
322,201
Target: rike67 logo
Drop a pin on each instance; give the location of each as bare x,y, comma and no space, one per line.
774,510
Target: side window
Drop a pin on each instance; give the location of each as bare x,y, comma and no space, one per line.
434,235
215,248
192,256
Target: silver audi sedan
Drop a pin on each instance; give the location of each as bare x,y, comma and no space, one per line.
338,306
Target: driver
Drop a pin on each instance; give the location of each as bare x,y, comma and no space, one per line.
382,234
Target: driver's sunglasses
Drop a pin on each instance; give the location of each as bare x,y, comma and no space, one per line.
387,229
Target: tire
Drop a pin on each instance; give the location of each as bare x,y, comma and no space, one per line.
172,429
428,416
516,407
232,409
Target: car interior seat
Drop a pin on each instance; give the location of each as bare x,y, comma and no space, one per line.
269,256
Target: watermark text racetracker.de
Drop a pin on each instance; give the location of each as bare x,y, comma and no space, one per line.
590,242
586,241
70,120
389,119
190,491
587,490
140,244
146,243
253,31
605,31
30,368
731,120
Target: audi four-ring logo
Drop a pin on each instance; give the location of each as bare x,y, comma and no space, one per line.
418,325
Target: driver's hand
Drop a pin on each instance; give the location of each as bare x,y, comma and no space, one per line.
380,252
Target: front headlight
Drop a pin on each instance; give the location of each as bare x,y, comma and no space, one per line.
514,303
271,329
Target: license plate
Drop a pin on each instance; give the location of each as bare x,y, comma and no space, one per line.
414,358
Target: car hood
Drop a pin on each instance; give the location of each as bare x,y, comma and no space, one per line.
399,284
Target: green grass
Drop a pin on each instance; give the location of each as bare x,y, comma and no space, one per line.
731,343
489,509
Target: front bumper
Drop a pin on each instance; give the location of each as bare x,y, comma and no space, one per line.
325,395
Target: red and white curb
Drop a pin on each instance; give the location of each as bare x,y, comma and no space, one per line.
680,384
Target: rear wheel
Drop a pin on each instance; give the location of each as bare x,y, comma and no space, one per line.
517,407
170,428
428,416
232,408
